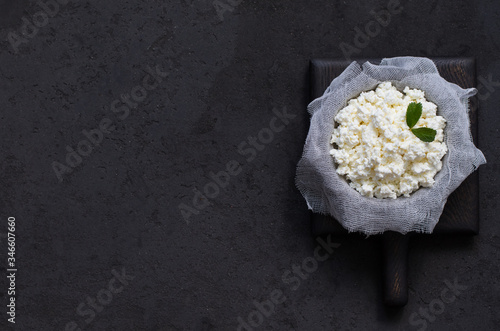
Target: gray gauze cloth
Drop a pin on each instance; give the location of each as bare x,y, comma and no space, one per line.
326,192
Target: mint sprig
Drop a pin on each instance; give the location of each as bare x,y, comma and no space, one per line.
425,134
413,114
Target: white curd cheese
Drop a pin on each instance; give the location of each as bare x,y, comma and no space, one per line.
375,149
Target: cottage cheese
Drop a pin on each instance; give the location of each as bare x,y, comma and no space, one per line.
375,149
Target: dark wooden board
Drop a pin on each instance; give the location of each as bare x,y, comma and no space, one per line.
461,212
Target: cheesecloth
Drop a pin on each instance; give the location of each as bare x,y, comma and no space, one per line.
326,192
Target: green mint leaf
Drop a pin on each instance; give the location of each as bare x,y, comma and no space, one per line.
413,114
425,134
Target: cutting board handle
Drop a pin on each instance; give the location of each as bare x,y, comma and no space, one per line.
395,268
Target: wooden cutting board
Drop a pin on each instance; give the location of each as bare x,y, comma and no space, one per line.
461,212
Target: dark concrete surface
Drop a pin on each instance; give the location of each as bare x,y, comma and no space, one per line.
118,209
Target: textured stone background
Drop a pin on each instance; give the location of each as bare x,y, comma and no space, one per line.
119,207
